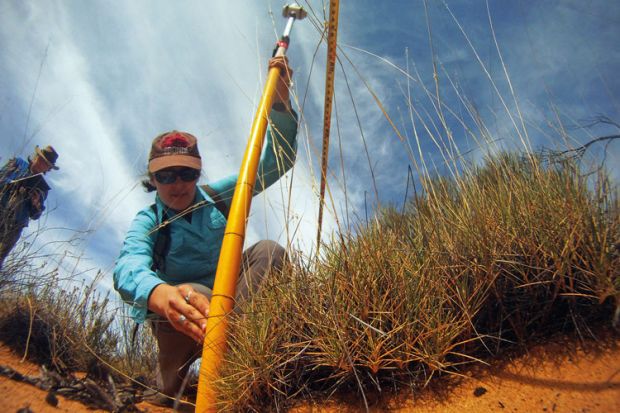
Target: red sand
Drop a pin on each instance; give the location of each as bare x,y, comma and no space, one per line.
556,377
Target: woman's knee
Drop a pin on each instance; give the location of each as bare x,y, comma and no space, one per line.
272,251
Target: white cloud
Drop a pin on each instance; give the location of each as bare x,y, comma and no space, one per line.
116,74
121,78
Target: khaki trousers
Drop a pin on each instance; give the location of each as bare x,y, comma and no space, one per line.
178,351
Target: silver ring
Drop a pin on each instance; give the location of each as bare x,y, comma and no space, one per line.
188,296
182,318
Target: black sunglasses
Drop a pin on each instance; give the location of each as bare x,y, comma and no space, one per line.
169,176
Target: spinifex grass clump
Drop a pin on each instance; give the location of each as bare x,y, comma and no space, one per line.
65,329
540,241
73,329
508,251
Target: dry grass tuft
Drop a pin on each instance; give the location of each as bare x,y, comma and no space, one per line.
507,252
57,327
72,329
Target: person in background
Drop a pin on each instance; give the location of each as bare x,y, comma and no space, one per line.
167,264
23,192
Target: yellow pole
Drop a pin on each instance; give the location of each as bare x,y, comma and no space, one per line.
228,266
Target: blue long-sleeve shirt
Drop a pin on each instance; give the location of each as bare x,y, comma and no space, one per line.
15,191
195,244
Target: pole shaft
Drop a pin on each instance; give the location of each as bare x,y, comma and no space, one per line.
288,27
222,301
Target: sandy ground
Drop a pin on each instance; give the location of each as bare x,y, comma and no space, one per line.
561,376
15,395
556,377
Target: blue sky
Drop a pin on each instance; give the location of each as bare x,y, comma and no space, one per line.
99,79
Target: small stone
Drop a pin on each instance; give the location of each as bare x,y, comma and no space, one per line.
501,405
24,410
479,391
51,399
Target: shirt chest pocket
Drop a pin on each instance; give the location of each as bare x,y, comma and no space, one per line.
177,244
193,255
215,219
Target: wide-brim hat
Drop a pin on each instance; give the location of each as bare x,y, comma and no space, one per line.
174,148
49,155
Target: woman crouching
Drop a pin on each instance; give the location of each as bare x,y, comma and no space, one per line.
167,265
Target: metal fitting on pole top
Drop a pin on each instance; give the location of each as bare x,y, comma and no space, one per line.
292,12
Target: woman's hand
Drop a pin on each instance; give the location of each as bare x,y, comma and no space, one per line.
281,94
185,308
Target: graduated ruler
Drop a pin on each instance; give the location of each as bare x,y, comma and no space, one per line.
332,34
